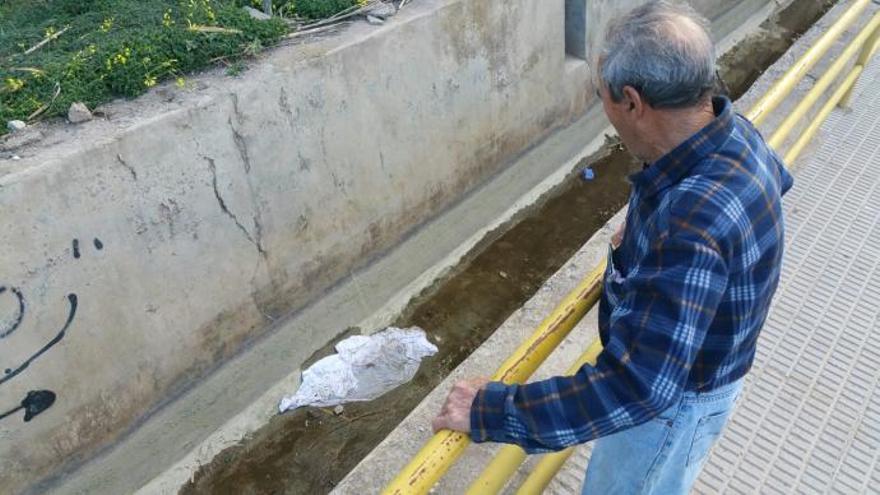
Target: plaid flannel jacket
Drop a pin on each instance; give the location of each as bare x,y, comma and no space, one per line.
684,298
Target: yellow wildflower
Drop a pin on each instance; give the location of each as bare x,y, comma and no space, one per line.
167,21
107,24
14,84
181,82
50,31
209,11
149,81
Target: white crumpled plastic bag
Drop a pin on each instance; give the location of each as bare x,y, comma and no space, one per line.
365,367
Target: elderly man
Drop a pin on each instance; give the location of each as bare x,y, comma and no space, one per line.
687,290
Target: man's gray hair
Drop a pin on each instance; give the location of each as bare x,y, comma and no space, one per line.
664,51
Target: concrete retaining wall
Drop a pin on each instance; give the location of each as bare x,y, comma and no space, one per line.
140,252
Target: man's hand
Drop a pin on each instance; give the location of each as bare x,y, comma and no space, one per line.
456,412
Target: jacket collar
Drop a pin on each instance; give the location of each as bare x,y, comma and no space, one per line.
673,166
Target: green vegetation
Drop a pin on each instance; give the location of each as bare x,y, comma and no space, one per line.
309,9
319,9
96,50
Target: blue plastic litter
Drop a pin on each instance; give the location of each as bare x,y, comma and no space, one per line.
588,174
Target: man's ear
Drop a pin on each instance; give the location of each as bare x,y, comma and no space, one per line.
633,100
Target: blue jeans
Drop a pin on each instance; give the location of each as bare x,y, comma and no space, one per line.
664,455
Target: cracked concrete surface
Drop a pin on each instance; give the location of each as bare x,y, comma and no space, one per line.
213,167
128,167
236,136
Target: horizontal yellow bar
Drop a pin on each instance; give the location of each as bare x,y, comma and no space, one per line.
540,477
550,464
432,462
811,130
438,455
509,457
823,83
553,330
499,471
783,87
866,54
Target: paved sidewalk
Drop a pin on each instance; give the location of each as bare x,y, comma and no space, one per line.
809,419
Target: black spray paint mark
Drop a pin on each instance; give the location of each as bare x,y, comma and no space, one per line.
10,373
17,293
98,244
76,248
35,402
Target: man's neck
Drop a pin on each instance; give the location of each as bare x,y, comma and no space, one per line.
673,127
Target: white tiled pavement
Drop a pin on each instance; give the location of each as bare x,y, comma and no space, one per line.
809,421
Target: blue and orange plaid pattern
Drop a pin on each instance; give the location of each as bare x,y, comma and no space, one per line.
684,298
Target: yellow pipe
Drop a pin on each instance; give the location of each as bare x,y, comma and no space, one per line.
430,464
509,457
782,88
553,330
810,131
822,84
438,455
864,56
550,464
540,477
499,471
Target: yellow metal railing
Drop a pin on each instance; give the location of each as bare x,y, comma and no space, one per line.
508,459
784,86
444,448
441,451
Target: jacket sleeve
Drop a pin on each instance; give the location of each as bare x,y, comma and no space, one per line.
656,330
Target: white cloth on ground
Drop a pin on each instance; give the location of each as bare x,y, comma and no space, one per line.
364,367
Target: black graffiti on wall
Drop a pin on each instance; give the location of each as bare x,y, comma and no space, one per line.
76,250
10,373
16,321
36,401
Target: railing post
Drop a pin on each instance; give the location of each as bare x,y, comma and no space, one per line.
867,51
